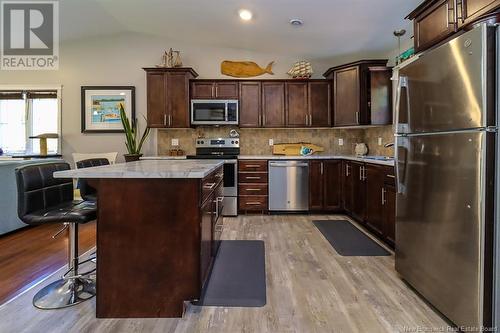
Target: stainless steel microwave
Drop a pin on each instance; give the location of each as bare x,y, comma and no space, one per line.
214,112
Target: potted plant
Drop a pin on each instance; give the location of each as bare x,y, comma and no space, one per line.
133,147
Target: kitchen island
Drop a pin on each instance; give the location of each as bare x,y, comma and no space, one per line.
154,234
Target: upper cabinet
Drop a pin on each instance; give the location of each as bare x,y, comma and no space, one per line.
361,93
273,104
433,23
168,96
436,20
250,104
201,89
320,103
297,114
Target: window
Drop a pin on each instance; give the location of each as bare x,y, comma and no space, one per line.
24,114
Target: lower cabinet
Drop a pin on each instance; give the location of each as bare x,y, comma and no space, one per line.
252,185
325,187
358,191
369,196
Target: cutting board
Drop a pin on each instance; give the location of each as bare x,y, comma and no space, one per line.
293,149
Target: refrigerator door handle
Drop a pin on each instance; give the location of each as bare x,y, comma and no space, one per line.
396,164
402,83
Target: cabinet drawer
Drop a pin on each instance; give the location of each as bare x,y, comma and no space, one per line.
252,177
252,189
252,165
253,202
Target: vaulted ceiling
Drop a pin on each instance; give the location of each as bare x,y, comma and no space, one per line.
331,27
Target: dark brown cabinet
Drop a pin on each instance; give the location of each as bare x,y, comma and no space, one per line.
347,187
389,213
432,24
437,20
168,96
325,185
201,89
252,185
359,191
250,104
361,93
320,111
273,104
374,197
297,113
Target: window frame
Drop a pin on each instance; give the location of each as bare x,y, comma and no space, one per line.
29,128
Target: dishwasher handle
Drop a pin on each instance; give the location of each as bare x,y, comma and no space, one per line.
289,164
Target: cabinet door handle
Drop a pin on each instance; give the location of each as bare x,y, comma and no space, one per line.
357,117
383,196
165,119
170,120
321,167
252,166
253,190
209,186
361,173
310,120
307,120
253,203
216,91
391,176
347,173
251,177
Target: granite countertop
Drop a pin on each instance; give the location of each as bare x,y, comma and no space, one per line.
389,162
157,168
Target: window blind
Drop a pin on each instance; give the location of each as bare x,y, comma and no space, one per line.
31,94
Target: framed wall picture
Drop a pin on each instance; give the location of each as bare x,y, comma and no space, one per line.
101,108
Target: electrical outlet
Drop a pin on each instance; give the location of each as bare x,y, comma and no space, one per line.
380,141
271,142
341,142
175,142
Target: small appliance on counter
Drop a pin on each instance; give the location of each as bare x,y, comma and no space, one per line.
226,149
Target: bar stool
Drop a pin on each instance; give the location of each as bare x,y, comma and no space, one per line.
86,191
44,199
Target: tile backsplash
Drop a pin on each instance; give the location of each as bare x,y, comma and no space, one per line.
256,141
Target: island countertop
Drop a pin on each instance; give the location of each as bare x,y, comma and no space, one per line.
146,169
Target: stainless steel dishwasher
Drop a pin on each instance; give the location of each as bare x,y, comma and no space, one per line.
288,185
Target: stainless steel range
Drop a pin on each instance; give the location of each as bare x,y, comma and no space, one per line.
228,150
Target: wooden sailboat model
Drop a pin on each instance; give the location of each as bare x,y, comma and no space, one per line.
301,70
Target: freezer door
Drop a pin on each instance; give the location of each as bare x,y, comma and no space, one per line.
446,88
439,219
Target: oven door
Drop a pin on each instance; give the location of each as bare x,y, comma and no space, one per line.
208,112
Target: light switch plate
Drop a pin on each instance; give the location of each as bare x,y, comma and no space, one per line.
271,142
341,142
175,142
380,141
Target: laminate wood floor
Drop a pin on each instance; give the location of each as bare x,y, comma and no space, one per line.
310,288
29,255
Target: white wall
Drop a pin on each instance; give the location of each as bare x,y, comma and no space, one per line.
118,60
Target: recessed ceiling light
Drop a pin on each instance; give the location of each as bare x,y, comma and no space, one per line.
245,14
296,22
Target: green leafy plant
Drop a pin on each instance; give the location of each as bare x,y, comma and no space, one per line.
133,147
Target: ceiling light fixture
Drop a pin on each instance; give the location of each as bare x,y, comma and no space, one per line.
245,14
296,22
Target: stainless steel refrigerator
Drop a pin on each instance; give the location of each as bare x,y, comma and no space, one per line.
445,151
